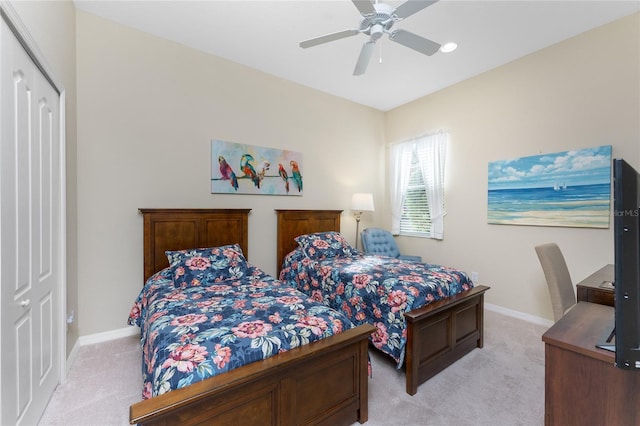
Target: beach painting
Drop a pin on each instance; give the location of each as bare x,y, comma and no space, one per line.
248,169
570,189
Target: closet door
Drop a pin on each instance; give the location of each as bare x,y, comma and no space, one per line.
30,190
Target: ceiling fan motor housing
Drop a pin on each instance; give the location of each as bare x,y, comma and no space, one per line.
377,23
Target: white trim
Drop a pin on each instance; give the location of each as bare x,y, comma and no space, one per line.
62,288
72,357
108,335
519,315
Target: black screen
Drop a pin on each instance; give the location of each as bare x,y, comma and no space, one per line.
626,187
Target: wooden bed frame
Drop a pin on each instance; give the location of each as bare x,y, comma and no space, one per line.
324,382
438,334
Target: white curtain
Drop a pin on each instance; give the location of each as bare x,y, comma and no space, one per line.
399,170
431,152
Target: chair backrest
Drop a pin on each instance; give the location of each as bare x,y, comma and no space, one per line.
563,296
380,242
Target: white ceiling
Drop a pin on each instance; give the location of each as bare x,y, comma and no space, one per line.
265,35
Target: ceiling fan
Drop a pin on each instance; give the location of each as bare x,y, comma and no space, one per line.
377,19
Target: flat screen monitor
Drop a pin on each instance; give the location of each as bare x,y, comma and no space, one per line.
626,192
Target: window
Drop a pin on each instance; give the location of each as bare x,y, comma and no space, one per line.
415,218
417,186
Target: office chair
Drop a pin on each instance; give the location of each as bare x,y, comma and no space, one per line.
380,242
563,296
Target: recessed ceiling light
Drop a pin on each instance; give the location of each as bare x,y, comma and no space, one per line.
448,47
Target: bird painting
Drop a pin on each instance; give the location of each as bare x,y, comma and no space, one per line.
248,170
295,172
283,174
264,167
227,172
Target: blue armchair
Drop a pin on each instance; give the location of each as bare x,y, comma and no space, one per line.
380,242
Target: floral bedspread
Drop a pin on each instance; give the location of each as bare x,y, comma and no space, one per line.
190,333
374,289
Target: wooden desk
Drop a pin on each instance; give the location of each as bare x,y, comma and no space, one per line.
589,290
582,385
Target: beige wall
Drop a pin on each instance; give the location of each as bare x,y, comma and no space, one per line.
147,111
51,24
580,93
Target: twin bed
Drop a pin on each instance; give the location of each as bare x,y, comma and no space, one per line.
236,346
432,336
210,310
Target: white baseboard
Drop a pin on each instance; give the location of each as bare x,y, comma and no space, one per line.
108,335
72,357
520,315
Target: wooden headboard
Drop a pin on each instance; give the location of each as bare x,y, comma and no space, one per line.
178,229
292,223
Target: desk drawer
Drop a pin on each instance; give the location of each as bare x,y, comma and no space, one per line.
595,295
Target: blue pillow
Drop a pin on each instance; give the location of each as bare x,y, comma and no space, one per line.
193,267
325,245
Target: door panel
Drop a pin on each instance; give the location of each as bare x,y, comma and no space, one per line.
45,184
21,93
23,336
30,189
46,338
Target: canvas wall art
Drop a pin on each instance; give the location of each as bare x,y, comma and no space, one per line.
570,188
247,169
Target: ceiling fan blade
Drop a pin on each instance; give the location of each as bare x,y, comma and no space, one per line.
327,38
415,42
364,6
410,7
363,60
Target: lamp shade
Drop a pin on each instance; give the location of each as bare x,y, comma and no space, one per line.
362,202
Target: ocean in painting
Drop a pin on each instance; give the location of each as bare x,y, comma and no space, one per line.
572,206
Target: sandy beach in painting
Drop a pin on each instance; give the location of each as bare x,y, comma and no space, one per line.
579,219
584,206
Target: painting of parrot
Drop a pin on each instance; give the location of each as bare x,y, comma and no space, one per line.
227,172
297,177
283,174
248,170
262,170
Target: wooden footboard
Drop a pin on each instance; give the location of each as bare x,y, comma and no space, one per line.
324,382
440,333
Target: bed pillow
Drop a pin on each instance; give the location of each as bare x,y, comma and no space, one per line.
324,245
206,265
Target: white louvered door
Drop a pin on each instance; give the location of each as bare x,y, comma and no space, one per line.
30,186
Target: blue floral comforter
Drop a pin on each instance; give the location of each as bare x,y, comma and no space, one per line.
373,289
205,327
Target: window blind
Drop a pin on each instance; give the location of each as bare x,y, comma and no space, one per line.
415,219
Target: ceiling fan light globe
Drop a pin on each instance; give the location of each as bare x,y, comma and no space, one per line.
376,32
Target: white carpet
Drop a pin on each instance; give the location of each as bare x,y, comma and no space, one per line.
104,380
499,385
